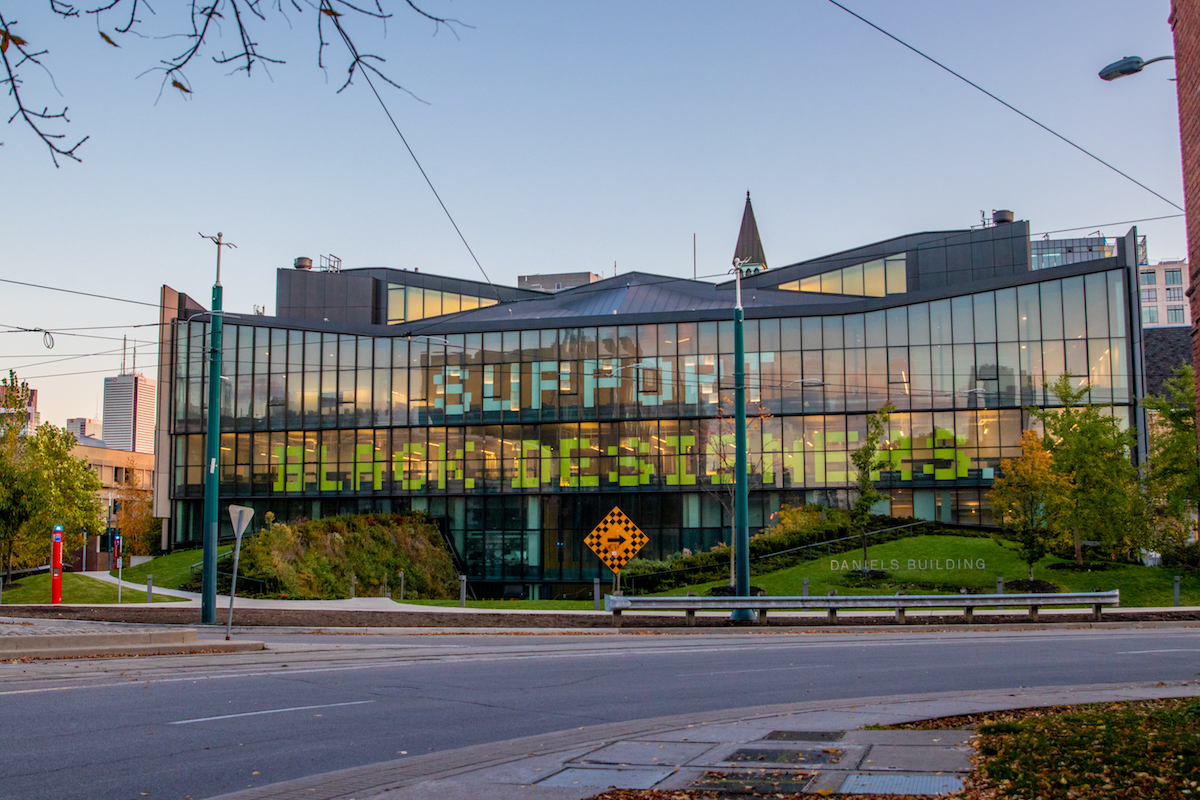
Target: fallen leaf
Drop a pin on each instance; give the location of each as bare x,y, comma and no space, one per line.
104,36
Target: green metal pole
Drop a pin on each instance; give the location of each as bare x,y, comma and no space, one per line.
212,456
741,498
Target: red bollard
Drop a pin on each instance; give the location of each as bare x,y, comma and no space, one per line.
56,566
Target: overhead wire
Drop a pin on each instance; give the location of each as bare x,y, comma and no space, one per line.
73,291
1007,105
326,8
1107,225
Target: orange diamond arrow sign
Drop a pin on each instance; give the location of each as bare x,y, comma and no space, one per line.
616,540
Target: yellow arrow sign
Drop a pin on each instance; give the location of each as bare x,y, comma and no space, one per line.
616,540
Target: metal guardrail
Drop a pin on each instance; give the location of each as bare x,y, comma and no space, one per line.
616,604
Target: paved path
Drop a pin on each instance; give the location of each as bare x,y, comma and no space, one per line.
686,750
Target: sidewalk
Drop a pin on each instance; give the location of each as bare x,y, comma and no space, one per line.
54,638
792,748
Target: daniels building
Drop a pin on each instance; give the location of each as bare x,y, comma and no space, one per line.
518,418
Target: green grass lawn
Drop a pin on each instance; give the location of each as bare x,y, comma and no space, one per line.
76,589
938,564
169,571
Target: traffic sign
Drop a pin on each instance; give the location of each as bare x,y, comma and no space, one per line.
240,516
616,540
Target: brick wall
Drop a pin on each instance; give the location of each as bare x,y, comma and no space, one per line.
1185,24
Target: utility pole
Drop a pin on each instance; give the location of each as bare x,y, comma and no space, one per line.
208,580
741,496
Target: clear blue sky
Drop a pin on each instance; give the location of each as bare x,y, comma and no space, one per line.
564,137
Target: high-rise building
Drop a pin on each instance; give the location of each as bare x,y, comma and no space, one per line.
32,417
84,427
1162,289
129,413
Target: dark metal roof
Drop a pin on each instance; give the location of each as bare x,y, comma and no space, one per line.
749,248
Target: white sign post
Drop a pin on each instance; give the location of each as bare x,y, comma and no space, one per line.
240,516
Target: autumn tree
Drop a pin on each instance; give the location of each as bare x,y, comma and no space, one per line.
867,462
1172,476
1091,452
194,32
134,518
1030,499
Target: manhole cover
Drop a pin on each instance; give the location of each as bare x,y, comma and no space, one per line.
754,782
803,736
792,755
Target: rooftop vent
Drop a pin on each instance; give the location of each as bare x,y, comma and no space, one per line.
302,263
999,217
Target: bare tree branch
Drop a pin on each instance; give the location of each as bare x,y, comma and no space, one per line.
34,119
206,16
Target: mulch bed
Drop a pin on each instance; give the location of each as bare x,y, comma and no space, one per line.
285,617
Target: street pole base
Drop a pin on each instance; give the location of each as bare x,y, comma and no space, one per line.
742,615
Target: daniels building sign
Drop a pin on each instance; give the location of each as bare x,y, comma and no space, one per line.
912,564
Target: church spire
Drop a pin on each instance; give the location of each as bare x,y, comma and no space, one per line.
749,248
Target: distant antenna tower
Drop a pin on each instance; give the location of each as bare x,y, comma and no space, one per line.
331,263
123,340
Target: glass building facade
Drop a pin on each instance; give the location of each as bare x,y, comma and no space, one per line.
518,440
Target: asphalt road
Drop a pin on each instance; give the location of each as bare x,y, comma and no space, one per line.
198,726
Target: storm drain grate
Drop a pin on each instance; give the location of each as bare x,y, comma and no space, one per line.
803,736
754,782
793,755
859,783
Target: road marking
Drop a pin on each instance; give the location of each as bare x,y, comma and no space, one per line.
1145,652
270,711
763,669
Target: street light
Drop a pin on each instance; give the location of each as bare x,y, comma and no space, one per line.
208,578
1128,66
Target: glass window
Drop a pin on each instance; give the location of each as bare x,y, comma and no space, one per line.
918,324
414,304
876,330
810,333
897,281
1149,295
1149,315
768,335
852,279
1097,304
985,317
962,313
810,284
1074,312
1146,278
433,303
897,326
1052,316
831,328
940,322
451,303
1116,307
1174,315
831,282
1174,295
854,334
1029,313
874,279
1174,277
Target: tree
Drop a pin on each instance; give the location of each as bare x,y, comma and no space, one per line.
1172,476
867,461
1092,453
18,481
248,18
1030,499
41,483
67,493
134,518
